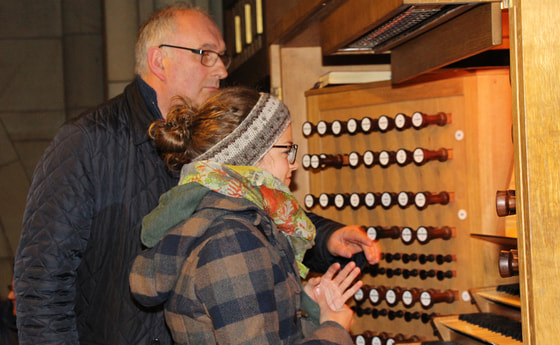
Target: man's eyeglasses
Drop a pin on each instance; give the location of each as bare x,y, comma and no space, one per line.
291,154
208,58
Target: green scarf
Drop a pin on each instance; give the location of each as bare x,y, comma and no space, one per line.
264,190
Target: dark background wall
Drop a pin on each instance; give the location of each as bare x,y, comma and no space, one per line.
57,58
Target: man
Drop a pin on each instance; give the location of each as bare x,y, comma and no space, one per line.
97,180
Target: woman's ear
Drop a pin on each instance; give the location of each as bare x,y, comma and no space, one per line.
156,62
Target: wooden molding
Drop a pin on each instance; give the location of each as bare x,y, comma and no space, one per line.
472,32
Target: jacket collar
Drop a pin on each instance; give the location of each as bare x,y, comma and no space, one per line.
150,97
141,99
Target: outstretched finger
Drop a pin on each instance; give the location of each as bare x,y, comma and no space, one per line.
342,274
347,275
350,278
351,291
332,271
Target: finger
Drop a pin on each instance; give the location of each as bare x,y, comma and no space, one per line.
351,291
372,253
314,282
350,278
356,234
343,274
331,271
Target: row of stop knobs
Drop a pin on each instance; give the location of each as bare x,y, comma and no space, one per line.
381,124
407,296
422,234
384,338
386,200
384,158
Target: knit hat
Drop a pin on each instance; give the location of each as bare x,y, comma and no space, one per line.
254,136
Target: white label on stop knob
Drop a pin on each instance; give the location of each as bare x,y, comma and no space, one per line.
425,299
322,127
360,340
373,295
384,158
309,200
366,124
368,158
400,120
352,126
324,200
406,235
339,201
369,200
417,119
403,199
307,128
420,200
391,297
336,127
383,123
386,199
354,200
353,159
359,295
418,155
407,297
401,156
422,234
372,233
306,161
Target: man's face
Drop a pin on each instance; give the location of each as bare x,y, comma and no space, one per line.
186,74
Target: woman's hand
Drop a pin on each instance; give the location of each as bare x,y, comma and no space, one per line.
332,290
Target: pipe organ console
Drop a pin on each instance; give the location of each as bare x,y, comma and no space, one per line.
419,165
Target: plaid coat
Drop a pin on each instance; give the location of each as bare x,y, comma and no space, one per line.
227,276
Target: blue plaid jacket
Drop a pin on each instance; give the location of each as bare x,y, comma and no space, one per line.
227,275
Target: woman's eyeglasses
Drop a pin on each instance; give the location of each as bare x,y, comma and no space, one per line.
292,153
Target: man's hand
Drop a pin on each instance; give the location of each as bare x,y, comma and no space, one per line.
352,239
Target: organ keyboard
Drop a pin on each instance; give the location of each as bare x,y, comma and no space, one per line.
499,321
452,328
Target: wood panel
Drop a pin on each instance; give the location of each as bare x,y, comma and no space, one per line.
480,137
470,33
296,19
354,18
535,56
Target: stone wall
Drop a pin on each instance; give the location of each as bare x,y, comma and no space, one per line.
51,63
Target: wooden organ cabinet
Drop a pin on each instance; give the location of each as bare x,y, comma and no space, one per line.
448,149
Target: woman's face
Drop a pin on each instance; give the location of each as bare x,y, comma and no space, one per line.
275,161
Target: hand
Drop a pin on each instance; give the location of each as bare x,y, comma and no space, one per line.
331,291
344,316
352,239
336,288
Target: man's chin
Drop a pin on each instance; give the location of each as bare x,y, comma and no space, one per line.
207,93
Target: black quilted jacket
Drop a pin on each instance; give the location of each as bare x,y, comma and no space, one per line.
81,230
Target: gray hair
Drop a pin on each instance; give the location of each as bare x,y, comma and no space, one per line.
156,30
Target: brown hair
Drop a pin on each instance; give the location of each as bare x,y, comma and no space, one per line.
188,131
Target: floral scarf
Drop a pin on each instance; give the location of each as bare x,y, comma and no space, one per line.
265,191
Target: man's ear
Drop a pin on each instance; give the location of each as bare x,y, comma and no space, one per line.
156,63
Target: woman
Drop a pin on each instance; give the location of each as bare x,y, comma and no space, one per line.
228,242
